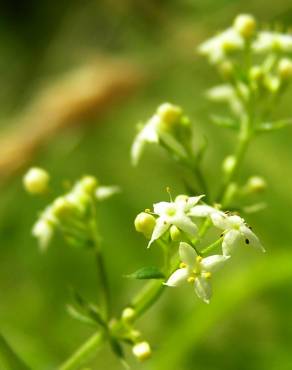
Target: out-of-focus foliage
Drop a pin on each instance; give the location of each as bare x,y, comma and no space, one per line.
250,316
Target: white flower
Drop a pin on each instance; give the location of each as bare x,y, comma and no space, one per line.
142,351
235,233
197,270
225,94
174,213
43,231
218,46
272,41
159,128
105,192
202,210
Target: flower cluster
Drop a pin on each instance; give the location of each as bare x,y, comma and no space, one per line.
180,218
71,213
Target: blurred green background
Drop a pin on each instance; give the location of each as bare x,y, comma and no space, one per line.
249,323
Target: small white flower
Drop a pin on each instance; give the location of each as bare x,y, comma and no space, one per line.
197,270
174,213
225,94
202,210
218,46
43,231
159,128
105,192
272,41
142,351
235,232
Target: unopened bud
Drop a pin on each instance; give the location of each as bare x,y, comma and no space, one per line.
88,184
228,164
36,181
226,69
245,25
285,68
128,314
169,113
145,223
256,73
175,233
61,207
142,351
256,184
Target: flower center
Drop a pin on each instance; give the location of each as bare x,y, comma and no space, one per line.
171,211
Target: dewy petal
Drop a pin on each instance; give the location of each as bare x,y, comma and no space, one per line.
177,277
187,254
253,240
202,211
159,229
231,240
220,220
212,263
184,223
203,289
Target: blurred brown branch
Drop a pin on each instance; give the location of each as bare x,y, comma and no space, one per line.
86,92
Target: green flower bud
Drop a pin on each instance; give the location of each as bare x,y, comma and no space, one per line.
175,233
226,69
256,184
142,351
36,181
169,114
61,208
245,25
228,164
256,73
128,315
285,68
88,184
145,223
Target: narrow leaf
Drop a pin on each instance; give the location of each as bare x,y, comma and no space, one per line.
272,126
225,122
75,314
12,360
150,272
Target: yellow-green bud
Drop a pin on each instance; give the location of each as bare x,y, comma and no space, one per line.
285,68
228,164
128,315
88,184
245,25
256,73
175,233
226,69
169,113
142,351
36,180
145,223
61,207
256,184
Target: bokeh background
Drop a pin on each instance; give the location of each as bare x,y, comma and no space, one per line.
76,76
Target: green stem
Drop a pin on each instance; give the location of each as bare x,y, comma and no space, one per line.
211,247
84,352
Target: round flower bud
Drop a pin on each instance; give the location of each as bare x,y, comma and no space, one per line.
128,315
145,223
36,181
226,69
256,73
245,25
88,184
169,113
256,184
61,208
228,164
285,68
175,233
142,351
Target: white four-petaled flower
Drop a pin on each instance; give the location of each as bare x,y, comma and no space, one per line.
235,232
267,41
197,270
174,213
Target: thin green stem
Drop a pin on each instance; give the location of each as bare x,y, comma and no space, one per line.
211,247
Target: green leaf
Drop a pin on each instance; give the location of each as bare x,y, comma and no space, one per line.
118,351
224,121
77,315
150,272
272,126
12,360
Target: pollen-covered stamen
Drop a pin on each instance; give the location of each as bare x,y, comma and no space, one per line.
191,279
199,259
207,275
182,265
169,193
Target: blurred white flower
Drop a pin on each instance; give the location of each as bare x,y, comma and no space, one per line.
217,48
267,41
197,270
174,213
235,232
43,230
105,192
225,94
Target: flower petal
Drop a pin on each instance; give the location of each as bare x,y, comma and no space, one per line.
177,277
160,228
202,211
185,224
137,149
253,240
211,263
187,254
231,240
220,220
162,207
203,289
